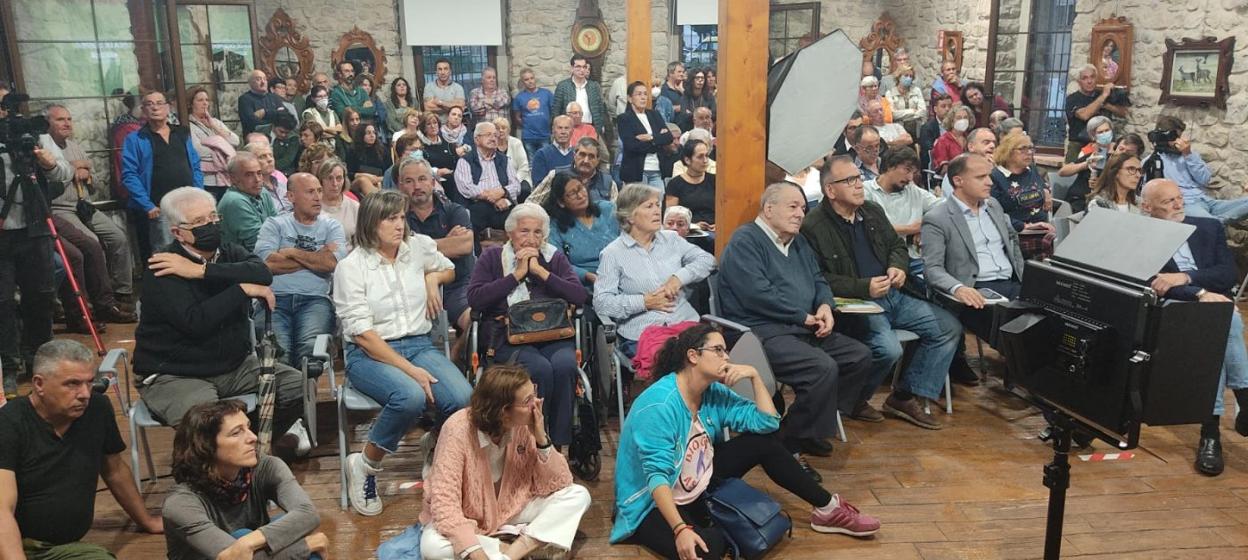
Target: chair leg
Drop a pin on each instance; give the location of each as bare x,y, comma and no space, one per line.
948,396
309,408
134,455
979,350
618,372
147,450
840,428
1239,294
342,450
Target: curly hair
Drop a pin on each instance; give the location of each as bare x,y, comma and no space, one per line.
671,357
494,394
312,153
195,443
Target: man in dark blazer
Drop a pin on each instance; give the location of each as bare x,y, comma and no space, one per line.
1203,269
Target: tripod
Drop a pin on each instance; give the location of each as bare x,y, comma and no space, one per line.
1057,480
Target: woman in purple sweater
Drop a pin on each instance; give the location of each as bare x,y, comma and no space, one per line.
525,268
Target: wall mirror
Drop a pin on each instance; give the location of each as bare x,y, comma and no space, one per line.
359,47
285,52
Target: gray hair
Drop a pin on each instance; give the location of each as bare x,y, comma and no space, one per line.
1009,125
1095,123
568,107
771,194
678,210
47,111
527,210
176,200
699,134
868,81
411,161
630,197
481,129
239,159
587,142
53,352
1085,69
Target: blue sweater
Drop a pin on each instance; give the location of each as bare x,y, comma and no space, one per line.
584,246
760,287
653,440
548,158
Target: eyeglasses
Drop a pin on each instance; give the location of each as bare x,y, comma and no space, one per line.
1133,170
719,349
151,104
1027,149
529,400
850,181
209,219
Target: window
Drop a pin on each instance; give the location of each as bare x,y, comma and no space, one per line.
699,45
467,63
1031,50
86,55
217,54
792,26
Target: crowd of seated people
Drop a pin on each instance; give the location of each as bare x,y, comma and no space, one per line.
364,215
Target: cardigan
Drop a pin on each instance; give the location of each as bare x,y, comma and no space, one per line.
488,288
653,438
635,151
460,501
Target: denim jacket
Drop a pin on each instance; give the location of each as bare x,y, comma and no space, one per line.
653,439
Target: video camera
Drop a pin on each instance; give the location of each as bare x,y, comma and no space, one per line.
1163,140
19,133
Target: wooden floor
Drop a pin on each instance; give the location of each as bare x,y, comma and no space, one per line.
972,490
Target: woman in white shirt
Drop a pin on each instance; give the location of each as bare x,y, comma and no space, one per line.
386,293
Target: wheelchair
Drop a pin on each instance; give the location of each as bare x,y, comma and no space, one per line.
584,452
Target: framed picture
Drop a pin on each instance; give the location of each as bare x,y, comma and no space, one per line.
1110,52
1195,72
950,44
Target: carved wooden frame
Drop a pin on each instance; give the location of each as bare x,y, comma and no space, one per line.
883,35
1219,76
943,40
1122,33
281,32
356,35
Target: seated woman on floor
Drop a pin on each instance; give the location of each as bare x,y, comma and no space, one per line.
495,466
219,507
671,448
644,272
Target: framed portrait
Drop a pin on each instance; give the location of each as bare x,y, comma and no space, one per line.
950,44
1196,72
1110,51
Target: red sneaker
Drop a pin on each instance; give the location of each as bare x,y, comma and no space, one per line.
844,519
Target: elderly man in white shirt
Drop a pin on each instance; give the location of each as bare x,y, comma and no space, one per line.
385,293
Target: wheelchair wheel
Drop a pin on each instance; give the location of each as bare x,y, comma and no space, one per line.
586,468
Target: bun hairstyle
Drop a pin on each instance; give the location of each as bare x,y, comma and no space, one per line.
671,357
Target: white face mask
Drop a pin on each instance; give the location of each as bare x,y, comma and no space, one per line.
322,104
655,91
961,125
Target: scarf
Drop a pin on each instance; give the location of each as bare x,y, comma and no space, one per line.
231,492
455,136
521,292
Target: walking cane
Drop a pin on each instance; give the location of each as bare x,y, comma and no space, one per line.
266,350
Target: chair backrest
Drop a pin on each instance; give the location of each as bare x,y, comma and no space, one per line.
749,351
713,282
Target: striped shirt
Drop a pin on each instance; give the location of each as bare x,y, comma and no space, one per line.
629,271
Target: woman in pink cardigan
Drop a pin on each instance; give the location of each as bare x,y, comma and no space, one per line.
495,470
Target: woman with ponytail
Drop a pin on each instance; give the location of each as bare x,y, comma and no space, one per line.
672,445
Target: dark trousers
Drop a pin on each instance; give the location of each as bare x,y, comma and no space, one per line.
821,371
89,265
25,263
485,215
979,321
552,365
733,459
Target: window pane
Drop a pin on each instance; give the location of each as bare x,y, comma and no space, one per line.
230,28
466,64
55,60
192,24
701,45
196,63
119,67
112,20
62,20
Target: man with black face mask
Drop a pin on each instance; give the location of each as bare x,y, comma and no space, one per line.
192,344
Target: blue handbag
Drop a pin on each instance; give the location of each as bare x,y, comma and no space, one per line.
750,519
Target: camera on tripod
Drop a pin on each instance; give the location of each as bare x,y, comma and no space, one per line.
1163,140
19,135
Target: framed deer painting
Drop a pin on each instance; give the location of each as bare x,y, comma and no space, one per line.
1196,72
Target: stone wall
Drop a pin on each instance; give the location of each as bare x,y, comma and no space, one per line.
1210,129
920,21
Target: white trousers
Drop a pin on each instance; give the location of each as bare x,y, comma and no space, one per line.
552,520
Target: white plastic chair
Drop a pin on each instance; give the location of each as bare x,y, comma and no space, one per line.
905,337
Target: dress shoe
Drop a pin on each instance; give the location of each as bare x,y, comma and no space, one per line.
1209,456
911,410
1241,423
115,314
866,413
78,326
962,374
818,447
806,468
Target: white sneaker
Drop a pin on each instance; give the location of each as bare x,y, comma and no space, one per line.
304,445
362,486
427,444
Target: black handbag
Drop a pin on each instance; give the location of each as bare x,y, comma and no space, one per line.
539,320
750,519
84,209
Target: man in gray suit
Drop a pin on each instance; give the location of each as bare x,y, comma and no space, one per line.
969,246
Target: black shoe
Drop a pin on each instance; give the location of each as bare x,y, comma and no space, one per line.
78,326
1209,456
114,314
961,373
809,470
1241,423
811,446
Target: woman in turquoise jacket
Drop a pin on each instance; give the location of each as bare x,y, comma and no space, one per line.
672,445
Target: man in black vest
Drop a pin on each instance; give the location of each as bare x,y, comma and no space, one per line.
488,185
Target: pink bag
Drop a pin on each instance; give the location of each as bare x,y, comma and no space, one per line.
652,339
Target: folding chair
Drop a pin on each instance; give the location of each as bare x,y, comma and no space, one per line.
905,337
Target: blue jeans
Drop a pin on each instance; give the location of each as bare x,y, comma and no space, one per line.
552,365
532,146
240,533
402,399
654,179
939,333
1234,364
1226,211
297,321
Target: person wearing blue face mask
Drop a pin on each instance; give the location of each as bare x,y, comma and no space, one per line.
909,107
1089,163
406,146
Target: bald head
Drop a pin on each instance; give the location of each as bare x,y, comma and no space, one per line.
304,191
981,141
1163,199
561,130
258,81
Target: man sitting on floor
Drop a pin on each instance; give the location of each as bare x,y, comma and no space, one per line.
193,342
770,281
862,257
969,248
55,444
1203,269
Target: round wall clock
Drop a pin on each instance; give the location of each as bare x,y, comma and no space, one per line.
590,38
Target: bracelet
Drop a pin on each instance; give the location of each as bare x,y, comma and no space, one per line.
683,527
678,526
548,445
